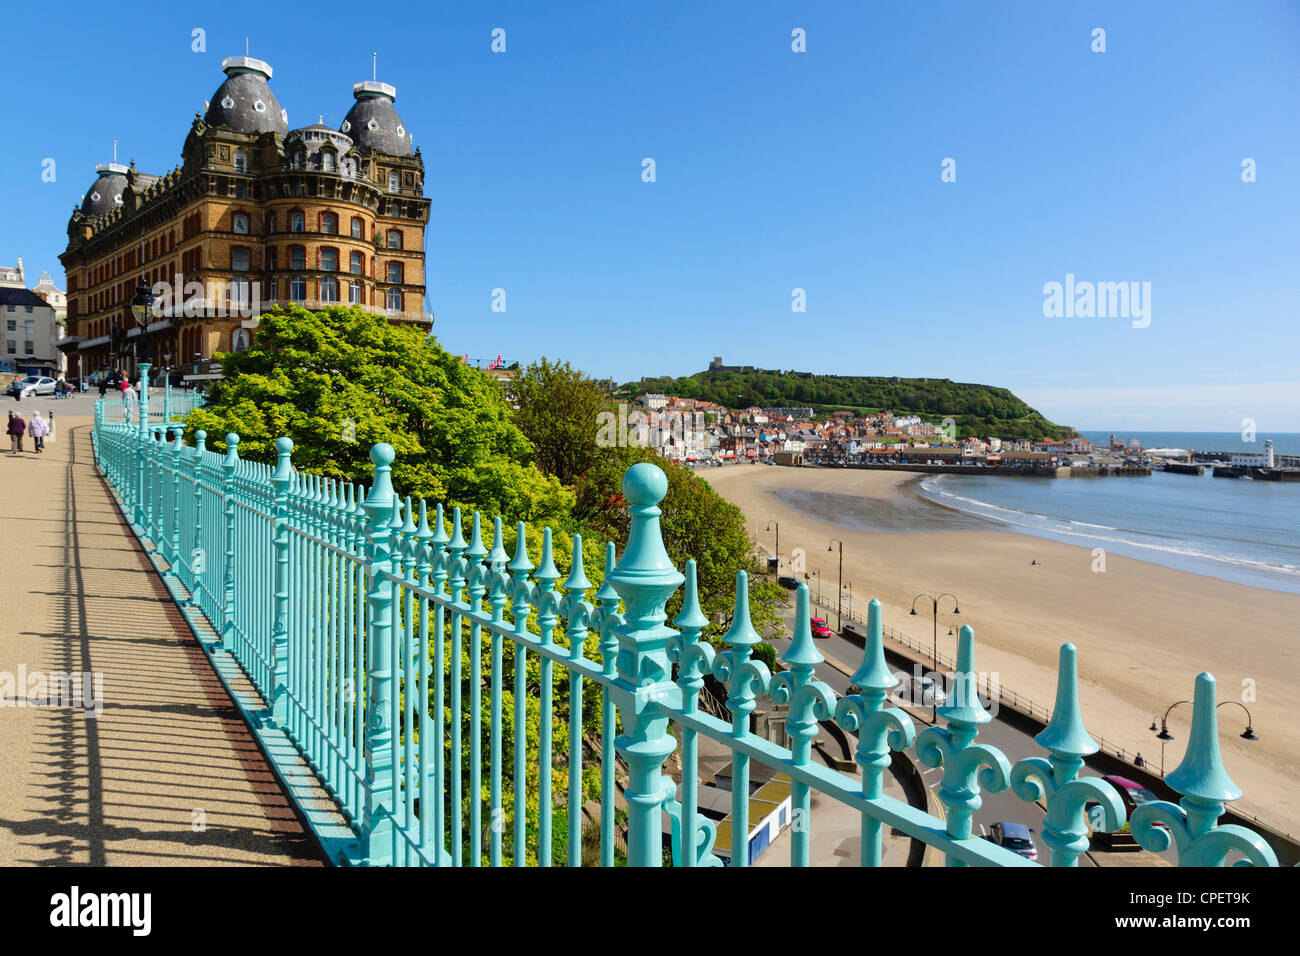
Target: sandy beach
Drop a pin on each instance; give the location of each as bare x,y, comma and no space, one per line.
1143,631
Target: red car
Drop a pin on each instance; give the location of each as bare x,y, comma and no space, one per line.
820,629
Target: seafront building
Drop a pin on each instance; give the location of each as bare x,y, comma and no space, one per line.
31,323
257,214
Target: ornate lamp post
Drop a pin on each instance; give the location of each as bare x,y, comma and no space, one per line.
778,540
934,614
839,606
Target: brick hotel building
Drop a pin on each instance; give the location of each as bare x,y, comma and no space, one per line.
256,215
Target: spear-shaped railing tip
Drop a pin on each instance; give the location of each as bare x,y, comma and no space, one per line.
1065,733
802,651
1201,774
519,564
691,616
874,673
742,633
963,705
547,571
577,579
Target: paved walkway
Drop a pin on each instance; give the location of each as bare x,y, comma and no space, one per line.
168,774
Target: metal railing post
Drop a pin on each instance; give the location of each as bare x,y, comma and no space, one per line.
142,446
644,692
377,820
228,467
280,480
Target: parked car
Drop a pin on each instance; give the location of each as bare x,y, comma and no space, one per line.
788,582
1134,795
1015,837
820,628
919,691
32,385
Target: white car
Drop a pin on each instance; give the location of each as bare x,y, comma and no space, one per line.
32,385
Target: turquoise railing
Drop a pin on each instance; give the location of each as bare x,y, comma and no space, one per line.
352,611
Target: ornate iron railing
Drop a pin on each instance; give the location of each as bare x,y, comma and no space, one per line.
355,613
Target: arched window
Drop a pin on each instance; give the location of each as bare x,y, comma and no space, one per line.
394,238
329,260
329,289
392,181
239,223
298,288
395,300
238,259
270,223
329,223
356,262
394,272
297,257
241,161
354,293
298,160
239,340
327,161
358,228
297,222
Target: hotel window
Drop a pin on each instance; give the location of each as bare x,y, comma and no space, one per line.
297,257
298,160
297,222
395,300
239,260
272,258
329,223
29,348
327,161
356,262
358,230
240,192
241,161
329,289
240,223
239,290
354,293
13,325
298,288
394,272
29,327
13,347
394,238
270,223
392,181
329,260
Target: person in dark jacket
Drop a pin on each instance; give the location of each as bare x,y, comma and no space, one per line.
103,385
16,429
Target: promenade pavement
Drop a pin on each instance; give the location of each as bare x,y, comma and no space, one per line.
167,773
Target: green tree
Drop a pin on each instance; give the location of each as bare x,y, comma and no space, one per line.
339,380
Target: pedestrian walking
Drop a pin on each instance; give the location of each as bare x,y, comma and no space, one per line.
103,386
39,428
16,429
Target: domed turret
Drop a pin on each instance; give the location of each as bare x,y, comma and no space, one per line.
244,102
373,123
105,194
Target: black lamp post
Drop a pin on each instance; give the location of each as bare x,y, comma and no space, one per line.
839,605
934,614
778,541
818,575
1164,736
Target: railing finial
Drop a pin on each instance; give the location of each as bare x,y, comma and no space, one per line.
1201,773
1065,733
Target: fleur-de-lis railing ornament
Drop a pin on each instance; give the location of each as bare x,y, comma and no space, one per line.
967,766
745,679
604,621
576,611
694,660
880,729
1205,787
810,701
1069,796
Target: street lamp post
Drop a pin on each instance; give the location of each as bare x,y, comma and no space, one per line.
778,541
818,575
839,606
1164,736
934,615
849,585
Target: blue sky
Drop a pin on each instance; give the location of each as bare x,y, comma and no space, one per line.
775,170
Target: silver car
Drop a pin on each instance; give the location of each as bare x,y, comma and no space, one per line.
32,385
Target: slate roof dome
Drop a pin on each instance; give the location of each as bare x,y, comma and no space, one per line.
373,123
244,102
105,194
